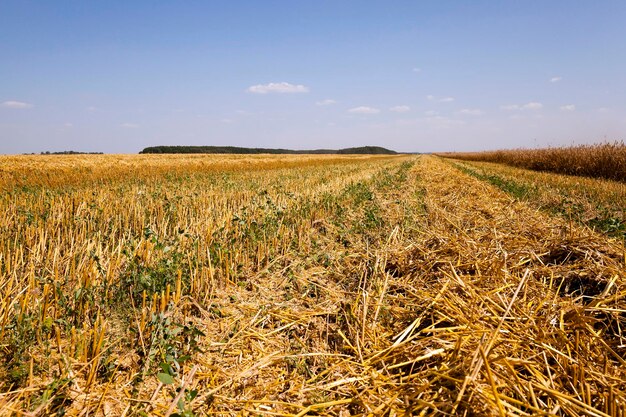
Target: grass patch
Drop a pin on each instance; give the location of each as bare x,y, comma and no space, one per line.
518,190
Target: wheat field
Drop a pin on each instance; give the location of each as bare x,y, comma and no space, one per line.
196,285
601,160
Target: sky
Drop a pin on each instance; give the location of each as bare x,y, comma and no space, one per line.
414,76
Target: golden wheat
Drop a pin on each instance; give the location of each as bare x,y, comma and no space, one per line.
603,160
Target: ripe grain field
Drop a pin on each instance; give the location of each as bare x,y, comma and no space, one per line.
299,285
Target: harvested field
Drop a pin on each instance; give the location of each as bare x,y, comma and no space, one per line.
602,160
300,286
595,203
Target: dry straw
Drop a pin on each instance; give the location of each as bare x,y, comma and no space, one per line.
374,287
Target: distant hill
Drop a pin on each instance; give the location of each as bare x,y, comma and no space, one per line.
362,150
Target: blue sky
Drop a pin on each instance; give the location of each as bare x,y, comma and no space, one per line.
118,76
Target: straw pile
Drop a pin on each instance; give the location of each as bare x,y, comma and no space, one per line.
418,290
527,311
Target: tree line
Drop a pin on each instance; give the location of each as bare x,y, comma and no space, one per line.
361,150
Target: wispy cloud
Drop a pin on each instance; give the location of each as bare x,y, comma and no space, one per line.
400,109
568,107
327,102
431,113
555,79
417,70
12,104
533,105
364,110
471,112
68,125
430,97
282,88
129,125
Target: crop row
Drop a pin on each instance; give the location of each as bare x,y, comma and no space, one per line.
603,160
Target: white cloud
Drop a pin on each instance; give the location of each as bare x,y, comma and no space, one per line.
12,104
277,88
227,121
431,113
364,110
441,100
533,105
568,107
400,109
471,112
417,70
604,110
555,79
129,125
327,102
68,125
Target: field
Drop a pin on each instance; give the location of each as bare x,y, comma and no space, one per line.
293,285
601,160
